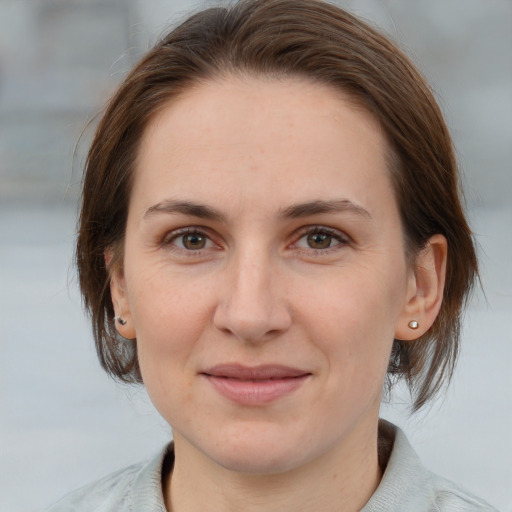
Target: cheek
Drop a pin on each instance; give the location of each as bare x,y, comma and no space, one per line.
169,315
168,329
354,319
363,297
167,326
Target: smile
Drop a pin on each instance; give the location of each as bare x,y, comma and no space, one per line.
255,386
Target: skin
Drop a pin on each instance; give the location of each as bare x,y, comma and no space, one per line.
260,291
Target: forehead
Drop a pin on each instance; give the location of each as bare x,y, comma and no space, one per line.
264,104
242,135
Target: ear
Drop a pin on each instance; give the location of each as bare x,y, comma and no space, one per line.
120,299
424,290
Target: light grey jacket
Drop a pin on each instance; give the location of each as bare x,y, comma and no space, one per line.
405,487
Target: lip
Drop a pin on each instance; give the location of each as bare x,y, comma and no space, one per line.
257,385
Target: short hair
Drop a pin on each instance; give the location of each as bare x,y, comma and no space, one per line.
322,43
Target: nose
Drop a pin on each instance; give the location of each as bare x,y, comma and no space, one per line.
252,305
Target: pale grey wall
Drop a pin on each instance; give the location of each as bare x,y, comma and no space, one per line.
62,421
59,60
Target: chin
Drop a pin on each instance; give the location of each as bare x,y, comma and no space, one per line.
258,461
257,451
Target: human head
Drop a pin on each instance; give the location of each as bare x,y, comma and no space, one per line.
286,38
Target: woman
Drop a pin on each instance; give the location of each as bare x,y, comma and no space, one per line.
271,234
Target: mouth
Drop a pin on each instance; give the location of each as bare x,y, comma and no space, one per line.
255,385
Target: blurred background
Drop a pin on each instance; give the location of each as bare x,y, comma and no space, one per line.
63,423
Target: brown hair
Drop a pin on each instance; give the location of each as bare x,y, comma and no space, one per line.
279,38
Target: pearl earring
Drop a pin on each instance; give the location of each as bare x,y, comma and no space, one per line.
413,324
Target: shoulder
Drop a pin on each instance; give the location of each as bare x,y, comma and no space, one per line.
134,488
448,497
407,485
109,493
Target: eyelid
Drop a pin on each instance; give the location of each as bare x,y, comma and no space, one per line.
342,237
169,237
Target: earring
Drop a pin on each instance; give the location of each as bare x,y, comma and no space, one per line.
120,320
413,324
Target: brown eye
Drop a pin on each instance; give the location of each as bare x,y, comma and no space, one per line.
189,240
194,241
319,240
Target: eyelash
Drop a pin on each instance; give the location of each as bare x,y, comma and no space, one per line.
336,235
168,240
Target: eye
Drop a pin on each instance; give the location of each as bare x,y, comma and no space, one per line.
189,240
321,238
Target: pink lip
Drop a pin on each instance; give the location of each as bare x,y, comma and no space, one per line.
255,385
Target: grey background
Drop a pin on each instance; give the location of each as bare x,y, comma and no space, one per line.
62,422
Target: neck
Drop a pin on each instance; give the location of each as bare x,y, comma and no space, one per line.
342,480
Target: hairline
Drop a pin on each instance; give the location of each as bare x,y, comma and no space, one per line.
223,72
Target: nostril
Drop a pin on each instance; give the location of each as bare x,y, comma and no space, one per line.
252,308
255,329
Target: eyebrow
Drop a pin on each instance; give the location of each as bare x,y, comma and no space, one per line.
318,207
295,211
187,208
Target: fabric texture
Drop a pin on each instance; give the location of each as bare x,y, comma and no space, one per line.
405,487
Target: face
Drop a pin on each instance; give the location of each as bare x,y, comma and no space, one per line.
264,274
